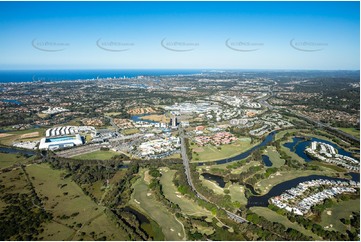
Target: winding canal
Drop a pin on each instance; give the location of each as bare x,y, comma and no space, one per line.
262,201
269,138
298,146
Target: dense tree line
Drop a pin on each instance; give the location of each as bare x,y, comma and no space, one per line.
120,195
23,216
20,219
128,222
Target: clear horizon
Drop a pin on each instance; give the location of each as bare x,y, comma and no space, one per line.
173,69
180,36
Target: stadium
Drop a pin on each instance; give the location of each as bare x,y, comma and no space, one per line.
60,142
63,137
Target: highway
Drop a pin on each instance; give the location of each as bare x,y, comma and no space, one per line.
231,215
263,101
326,126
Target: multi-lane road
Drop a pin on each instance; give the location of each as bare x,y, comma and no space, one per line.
263,101
231,215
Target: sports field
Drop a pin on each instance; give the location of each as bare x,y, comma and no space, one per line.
130,131
97,155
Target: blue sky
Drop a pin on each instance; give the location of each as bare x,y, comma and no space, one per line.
128,35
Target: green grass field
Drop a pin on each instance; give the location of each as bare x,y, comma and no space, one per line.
145,202
281,134
174,156
237,193
170,192
70,207
97,155
292,154
342,210
2,206
14,181
211,185
242,168
274,156
7,159
73,122
328,166
130,131
266,184
275,217
211,153
352,131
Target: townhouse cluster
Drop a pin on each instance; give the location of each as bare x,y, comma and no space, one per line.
295,201
270,122
217,139
327,153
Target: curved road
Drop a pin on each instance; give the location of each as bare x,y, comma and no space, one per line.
231,215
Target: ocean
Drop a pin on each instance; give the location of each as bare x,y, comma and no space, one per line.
61,75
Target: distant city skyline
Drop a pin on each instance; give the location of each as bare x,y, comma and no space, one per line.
180,35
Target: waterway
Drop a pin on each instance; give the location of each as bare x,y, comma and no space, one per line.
140,217
266,161
218,179
11,101
137,118
355,176
299,144
277,190
16,151
269,138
